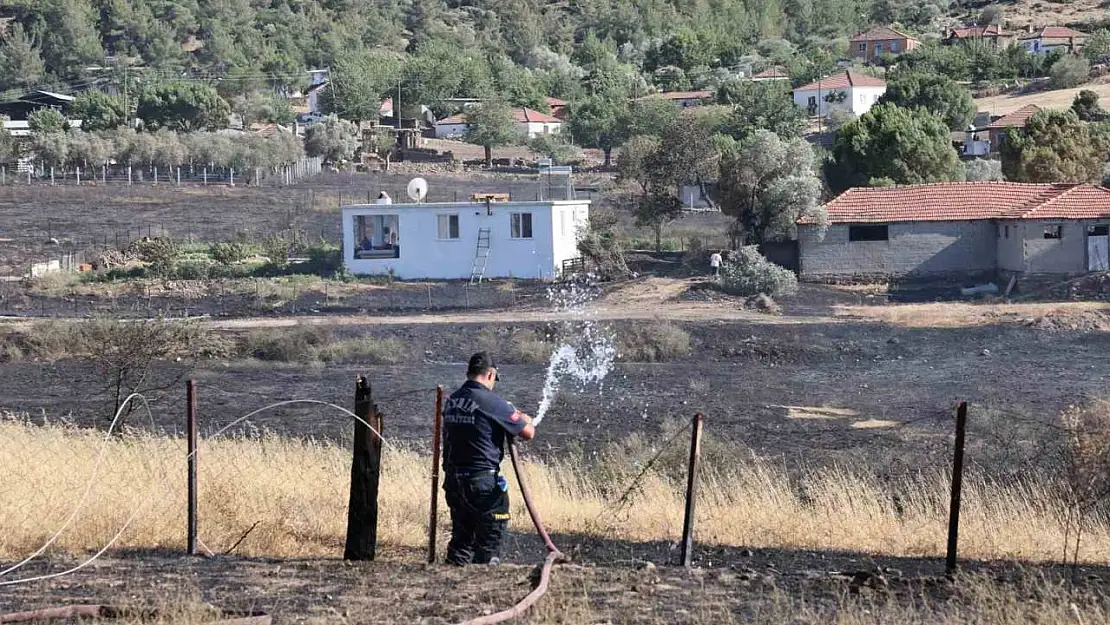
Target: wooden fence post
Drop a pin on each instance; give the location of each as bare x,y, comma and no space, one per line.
957,487
434,508
191,428
366,465
691,492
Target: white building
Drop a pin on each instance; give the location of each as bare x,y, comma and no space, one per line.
845,90
440,241
530,124
1052,38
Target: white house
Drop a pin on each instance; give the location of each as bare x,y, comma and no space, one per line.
1050,38
440,241
530,124
845,90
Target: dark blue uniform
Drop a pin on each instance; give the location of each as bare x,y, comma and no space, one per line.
475,423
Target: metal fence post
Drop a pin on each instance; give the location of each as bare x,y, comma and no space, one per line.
957,486
191,427
434,507
691,492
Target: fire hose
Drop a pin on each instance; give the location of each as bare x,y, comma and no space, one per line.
553,555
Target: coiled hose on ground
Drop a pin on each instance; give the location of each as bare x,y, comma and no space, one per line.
553,555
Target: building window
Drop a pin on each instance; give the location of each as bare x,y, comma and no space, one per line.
448,226
520,225
863,47
878,49
1098,231
1054,231
377,237
868,233
1007,230
893,46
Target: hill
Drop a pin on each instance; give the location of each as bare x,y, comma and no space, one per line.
1056,99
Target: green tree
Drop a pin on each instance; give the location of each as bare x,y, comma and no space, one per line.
937,94
1087,108
7,146
490,124
760,106
47,121
982,169
767,183
182,106
908,146
98,111
357,83
1054,146
1097,46
21,63
70,40
651,116
267,108
599,123
1069,71
333,139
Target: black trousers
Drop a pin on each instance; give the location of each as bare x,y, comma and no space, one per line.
479,518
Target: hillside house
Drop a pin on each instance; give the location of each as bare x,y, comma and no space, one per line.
992,35
21,106
845,90
996,131
441,241
872,44
773,73
958,229
684,99
1053,38
530,124
558,107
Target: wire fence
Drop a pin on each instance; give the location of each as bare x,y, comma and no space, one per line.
257,297
151,175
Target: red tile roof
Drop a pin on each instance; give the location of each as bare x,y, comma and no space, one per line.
880,33
967,201
775,71
520,115
1055,32
681,95
1016,118
844,80
972,32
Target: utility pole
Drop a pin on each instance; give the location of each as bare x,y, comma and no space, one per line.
397,105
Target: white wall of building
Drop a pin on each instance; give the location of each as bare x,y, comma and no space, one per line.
423,255
450,130
858,100
530,130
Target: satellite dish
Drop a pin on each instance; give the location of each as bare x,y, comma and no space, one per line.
418,188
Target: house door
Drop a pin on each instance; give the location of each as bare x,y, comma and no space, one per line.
1098,248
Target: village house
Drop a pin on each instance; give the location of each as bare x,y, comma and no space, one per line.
775,72
959,229
992,35
847,90
457,240
558,107
879,41
984,140
684,99
530,124
1053,38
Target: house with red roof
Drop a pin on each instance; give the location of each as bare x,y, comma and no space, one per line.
991,34
684,99
1051,38
530,124
878,41
958,229
848,90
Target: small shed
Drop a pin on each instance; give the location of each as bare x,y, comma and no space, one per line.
457,240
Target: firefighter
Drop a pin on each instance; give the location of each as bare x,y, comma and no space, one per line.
476,422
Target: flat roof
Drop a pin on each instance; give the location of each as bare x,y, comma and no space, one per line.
440,205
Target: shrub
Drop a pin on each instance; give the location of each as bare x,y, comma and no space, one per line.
983,169
1068,72
653,342
298,344
747,272
230,253
189,271
276,250
323,259
366,349
160,253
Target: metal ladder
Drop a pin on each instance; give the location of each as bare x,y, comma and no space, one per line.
481,256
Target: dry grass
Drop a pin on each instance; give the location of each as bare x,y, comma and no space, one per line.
653,342
1056,99
296,492
960,315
